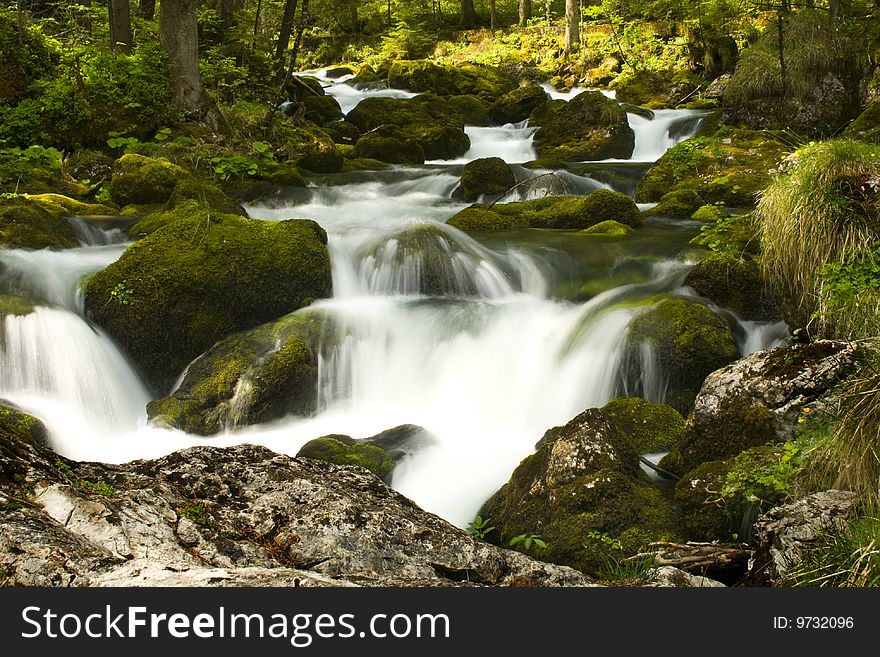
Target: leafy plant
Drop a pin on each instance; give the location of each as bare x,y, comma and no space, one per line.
121,294
478,527
528,540
763,476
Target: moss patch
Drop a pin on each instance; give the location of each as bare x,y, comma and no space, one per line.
343,450
650,427
488,175
27,224
139,179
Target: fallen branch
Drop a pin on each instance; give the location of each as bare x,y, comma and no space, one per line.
695,557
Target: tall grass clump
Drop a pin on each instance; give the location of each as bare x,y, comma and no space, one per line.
819,223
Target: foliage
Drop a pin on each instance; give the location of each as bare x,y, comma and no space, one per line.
478,527
763,476
527,540
121,294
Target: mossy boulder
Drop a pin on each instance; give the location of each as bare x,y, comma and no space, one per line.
677,204
657,89
518,105
588,127
86,164
584,477
569,212
709,213
866,126
249,377
18,426
284,174
702,512
204,276
650,427
759,399
12,305
487,176
427,120
28,224
472,109
140,179
735,236
730,167
688,342
343,132
191,196
608,228
385,148
734,282
66,206
423,75
321,110
309,147
379,454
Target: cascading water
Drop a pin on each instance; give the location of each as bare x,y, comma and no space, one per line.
470,339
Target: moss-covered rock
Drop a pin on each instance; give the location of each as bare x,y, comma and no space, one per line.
759,399
650,427
140,179
343,132
321,110
866,126
735,236
426,120
731,167
206,193
688,341
423,75
284,174
657,89
15,306
249,377
66,206
379,454
677,204
487,176
703,514
518,104
201,277
87,164
709,213
584,478
16,425
608,228
376,146
588,127
734,282
472,109
28,224
569,212
309,147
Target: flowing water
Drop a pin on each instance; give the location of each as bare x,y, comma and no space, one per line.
484,341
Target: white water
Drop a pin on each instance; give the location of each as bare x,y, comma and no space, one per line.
431,327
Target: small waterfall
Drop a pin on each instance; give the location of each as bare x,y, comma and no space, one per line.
664,130
753,336
90,234
511,142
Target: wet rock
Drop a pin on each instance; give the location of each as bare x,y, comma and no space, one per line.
657,89
487,176
27,224
669,576
143,180
735,283
518,104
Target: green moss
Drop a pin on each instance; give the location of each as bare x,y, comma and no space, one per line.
689,341
866,126
730,167
518,104
345,451
677,204
650,427
195,513
11,305
27,224
363,164
139,179
321,110
201,277
16,425
734,236
657,89
444,80
588,127
389,149
486,176
472,109
608,228
709,213
703,515
313,149
478,219
71,206
206,193
734,282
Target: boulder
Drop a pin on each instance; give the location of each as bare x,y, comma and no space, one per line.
657,89
686,340
584,477
487,176
783,533
677,204
650,427
427,120
518,105
423,75
143,180
28,224
734,283
568,212
176,292
866,125
588,127
608,228
759,400
248,378
379,454
669,577
309,147
321,110
386,148
730,167
472,109
240,516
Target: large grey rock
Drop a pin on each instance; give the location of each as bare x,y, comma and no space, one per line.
782,534
670,576
759,399
240,516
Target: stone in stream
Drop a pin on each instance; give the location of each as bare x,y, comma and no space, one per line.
487,176
517,105
238,516
29,224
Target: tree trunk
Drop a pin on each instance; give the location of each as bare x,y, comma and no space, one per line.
572,25
147,9
179,37
353,14
120,25
226,11
493,16
525,11
468,18
284,37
